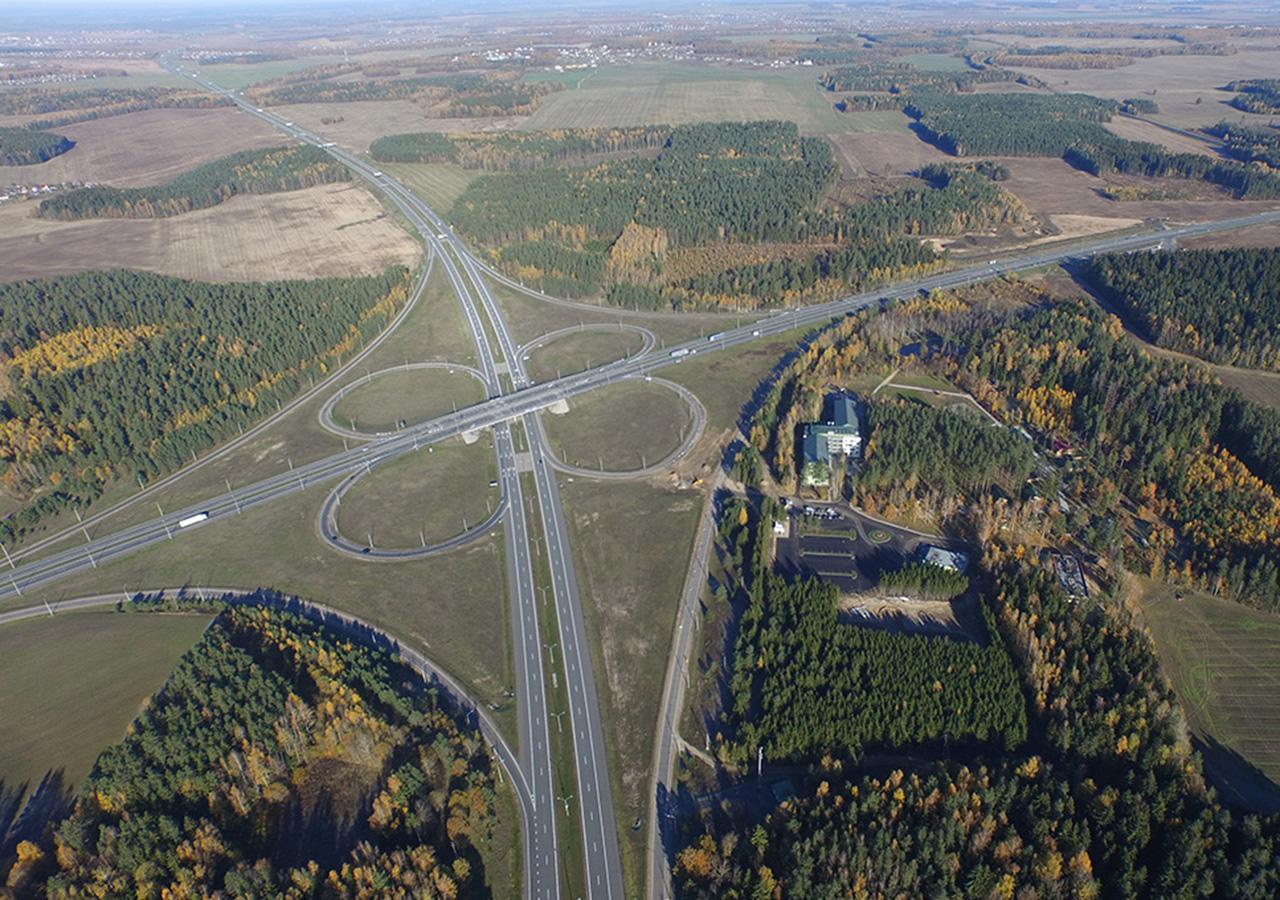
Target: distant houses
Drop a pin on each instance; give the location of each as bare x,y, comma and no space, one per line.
839,436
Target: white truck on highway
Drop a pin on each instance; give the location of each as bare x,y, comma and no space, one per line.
683,351
192,520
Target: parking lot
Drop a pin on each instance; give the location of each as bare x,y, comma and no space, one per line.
841,547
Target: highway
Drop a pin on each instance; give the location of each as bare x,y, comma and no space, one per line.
598,820
505,407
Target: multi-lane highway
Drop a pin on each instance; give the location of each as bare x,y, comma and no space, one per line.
505,407
517,399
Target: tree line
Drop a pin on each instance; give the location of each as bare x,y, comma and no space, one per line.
612,227
1220,305
1249,143
246,172
462,94
890,76
278,760
1105,798
803,684
1070,126
512,151
24,147
126,375
1256,95
64,107
1197,461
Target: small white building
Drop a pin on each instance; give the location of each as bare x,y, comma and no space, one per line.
951,560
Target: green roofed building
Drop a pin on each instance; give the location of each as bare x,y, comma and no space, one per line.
839,435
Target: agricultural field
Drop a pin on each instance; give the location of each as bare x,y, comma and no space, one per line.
1224,662
430,495
627,425
355,125
673,94
410,396
147,147
73,683
241,75
1174,82
337,229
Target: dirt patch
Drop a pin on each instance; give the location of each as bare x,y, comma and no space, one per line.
1137,130
329,230
1258,236
884,154
147,147
1050,187
954,619
356,125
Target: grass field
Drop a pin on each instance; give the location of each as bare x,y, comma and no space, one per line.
934,62
528,318
675,93
73,683
449,607
410,396
432,494
439,184
335,229
147,147
626,425
577,352
1262,388
1224,662
724,382
617,532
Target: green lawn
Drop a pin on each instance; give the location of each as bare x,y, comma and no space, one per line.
74,682
627,425
431,492
676,93
1224,662
411,396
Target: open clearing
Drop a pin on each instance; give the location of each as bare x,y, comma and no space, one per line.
1137,130
628,425
673,94
410,396
335,229
573,353
147,147
72,685
439,184
885,153
432,494
629,605
1224,662
356,125
1051,187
